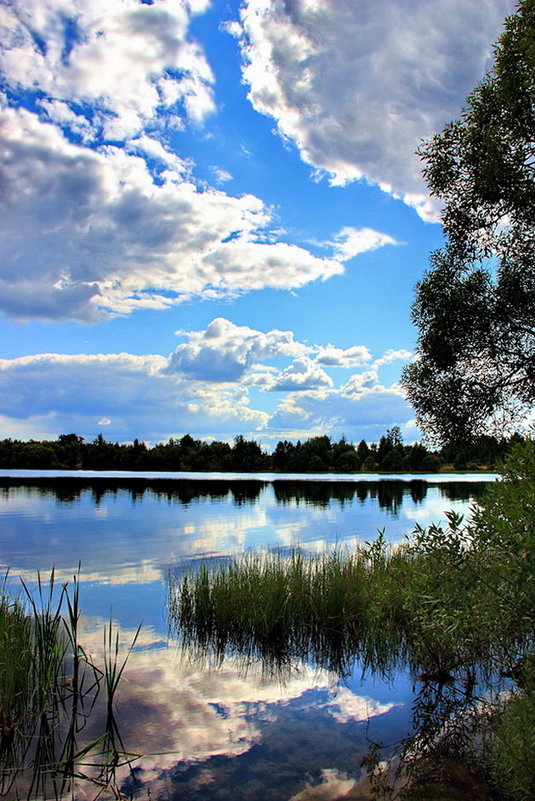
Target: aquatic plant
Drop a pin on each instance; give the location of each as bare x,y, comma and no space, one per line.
280,608
49,687
15,667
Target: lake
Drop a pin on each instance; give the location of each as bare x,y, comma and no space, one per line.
219,731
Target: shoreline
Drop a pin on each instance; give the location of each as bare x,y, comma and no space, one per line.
268,477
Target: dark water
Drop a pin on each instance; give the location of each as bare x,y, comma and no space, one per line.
203,731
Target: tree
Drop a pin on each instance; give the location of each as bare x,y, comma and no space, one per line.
475,308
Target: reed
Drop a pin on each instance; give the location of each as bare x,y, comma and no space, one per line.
16,693
279,608
49,687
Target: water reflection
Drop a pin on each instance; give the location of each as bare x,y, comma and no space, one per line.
58,726
127,534
202,733
390,495
278,610
181,491
197,732
205,733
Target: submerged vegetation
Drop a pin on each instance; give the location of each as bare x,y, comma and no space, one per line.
49,688
455,604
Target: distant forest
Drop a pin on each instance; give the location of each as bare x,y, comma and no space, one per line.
316,455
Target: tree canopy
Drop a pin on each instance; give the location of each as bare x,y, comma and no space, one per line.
475,308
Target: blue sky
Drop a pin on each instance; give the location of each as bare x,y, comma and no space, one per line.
213,217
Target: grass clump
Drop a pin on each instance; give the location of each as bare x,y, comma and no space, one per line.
280,608
16,662
49,687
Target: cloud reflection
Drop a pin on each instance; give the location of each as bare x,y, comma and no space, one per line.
172,709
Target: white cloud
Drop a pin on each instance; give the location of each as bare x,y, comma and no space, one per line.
87,232
99,216
215,383
149,146
357,86
224,351
351,242
336,786
391,356
346,706
61,113
362,408
56,393
171,711
221,176
127,58
330,356
302,374
360,382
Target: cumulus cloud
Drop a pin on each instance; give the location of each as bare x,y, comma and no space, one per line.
61,113
224,351
331,356
56,393
148,146
360,382
205,387
392,355
302,374
128,59
357,86
89,232
361,408
351,242
99,215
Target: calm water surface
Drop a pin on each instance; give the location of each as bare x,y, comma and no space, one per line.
218,732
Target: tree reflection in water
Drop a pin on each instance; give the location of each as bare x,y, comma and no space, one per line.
390,494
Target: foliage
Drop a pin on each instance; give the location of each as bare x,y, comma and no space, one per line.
514,745
475,308
318,454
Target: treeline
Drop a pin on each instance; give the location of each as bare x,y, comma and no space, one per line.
315,455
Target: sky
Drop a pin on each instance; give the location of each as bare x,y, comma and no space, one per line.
212,214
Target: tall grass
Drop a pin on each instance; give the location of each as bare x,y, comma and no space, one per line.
49,687
385,607
16,693
279,608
